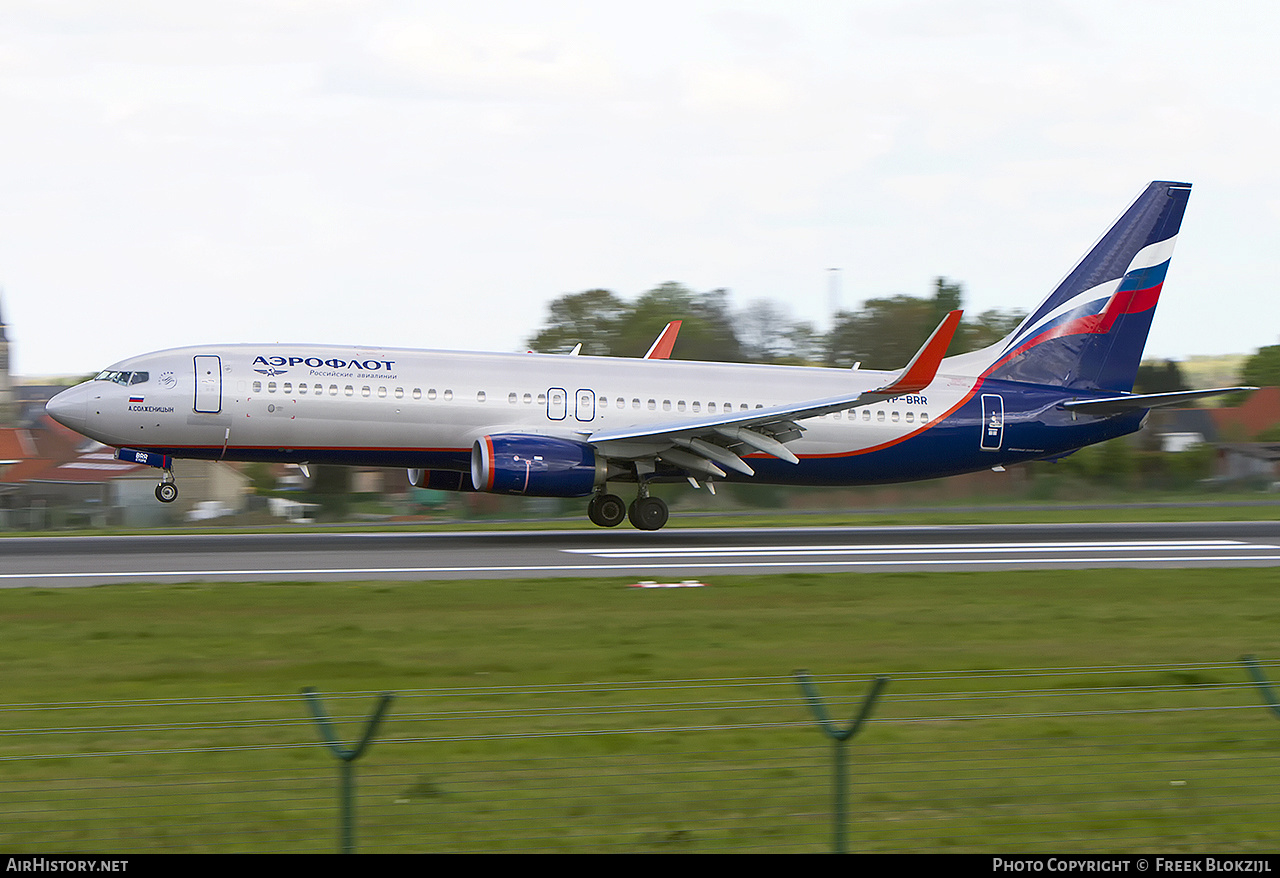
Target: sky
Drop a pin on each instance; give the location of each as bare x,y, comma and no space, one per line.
432,175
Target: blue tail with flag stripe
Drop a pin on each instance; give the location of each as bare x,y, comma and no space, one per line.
1089,333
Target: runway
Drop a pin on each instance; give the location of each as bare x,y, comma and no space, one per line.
668,555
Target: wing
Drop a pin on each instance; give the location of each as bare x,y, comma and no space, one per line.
702,446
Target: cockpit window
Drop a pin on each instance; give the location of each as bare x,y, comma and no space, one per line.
125,378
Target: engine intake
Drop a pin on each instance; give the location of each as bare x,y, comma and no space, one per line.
535,466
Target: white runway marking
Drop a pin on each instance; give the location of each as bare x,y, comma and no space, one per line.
320,572
920,549
697,560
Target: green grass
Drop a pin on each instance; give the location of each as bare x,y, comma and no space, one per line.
210,645
827,509
146,640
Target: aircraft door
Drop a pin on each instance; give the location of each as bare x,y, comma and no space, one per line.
208,384
585,405
557,403
992,421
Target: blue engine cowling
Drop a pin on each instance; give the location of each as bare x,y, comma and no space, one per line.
536,466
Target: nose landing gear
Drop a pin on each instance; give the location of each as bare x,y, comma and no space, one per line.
167,490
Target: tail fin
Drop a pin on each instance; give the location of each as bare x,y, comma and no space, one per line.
1089,333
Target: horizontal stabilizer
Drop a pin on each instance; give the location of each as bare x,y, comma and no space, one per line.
1116,404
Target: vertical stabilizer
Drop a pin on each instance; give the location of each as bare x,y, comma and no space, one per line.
1090,331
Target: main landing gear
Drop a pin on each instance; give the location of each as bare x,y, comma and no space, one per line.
606,510
167,490
646,513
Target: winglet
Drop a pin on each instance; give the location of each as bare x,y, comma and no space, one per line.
924,365
666,340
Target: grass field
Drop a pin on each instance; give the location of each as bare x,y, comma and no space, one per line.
212,647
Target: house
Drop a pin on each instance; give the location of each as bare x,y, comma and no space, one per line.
1258,413
53,477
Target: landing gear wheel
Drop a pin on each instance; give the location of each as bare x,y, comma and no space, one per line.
648,513
606,510
166,492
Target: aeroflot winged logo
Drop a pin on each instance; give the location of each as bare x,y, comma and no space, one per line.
272,364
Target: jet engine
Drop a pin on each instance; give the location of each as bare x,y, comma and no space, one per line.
440,480
536,466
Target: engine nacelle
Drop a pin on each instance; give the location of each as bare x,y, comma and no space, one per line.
440,480
536,466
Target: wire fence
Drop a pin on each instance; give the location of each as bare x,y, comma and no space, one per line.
1179,758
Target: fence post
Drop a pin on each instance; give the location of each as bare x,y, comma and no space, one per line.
346,759
1264,686
839,737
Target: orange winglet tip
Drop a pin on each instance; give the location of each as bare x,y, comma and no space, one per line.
924,365
666,340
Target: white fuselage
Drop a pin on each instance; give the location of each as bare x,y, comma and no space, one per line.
400,407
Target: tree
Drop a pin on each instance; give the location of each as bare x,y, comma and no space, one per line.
608,326
1263,368
1162,376
707,331
887,332
596,318
767,334
987,329
883,335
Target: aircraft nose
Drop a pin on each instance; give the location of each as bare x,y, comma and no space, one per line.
70,407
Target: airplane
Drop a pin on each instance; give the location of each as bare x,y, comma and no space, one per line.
550,425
